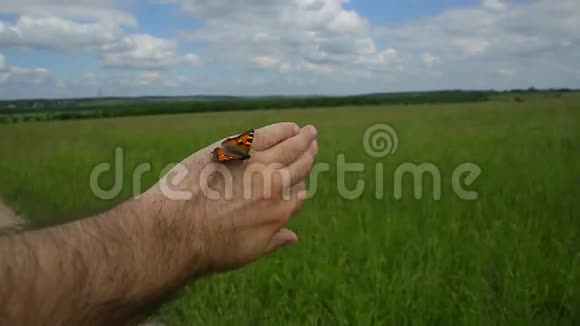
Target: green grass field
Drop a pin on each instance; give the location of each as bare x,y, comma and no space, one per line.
511,257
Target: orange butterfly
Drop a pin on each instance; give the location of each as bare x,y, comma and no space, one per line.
235,148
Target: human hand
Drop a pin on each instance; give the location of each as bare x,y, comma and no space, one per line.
235,215
113,267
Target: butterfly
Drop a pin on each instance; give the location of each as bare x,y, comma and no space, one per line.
235,148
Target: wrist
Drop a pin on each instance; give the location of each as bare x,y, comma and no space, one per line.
174,235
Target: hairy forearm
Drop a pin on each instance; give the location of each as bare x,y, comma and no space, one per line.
101,270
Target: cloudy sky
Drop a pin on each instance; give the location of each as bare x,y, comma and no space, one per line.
77,48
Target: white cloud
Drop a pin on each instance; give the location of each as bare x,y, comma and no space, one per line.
265,61
146,78
87,26
105,39
141,51
17,82
316,68
506,72
316,36
295,47
103,10
192,59
23,76
2,62
524,29
494,4
56,33
285,68
430,60
470,46
389,56
39,82
538,39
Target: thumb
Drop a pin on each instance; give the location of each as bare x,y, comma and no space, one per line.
283,238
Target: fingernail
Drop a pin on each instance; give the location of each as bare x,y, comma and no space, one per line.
312,130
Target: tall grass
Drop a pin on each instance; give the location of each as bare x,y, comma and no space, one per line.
510,257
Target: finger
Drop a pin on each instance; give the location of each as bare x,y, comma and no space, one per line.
297,196
283,238
299,170
270,136
264,138
291,149
292,203
298,191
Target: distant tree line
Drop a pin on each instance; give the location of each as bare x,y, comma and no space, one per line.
30,110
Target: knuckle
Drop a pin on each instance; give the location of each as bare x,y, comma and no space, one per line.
299,147
293,127
271,182
278,182
258,190
259,157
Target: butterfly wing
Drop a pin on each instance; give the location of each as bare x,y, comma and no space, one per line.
235,148
240,144
220,155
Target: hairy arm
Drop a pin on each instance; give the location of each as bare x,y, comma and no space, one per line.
101,270
118,266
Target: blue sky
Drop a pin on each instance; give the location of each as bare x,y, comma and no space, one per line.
65,48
